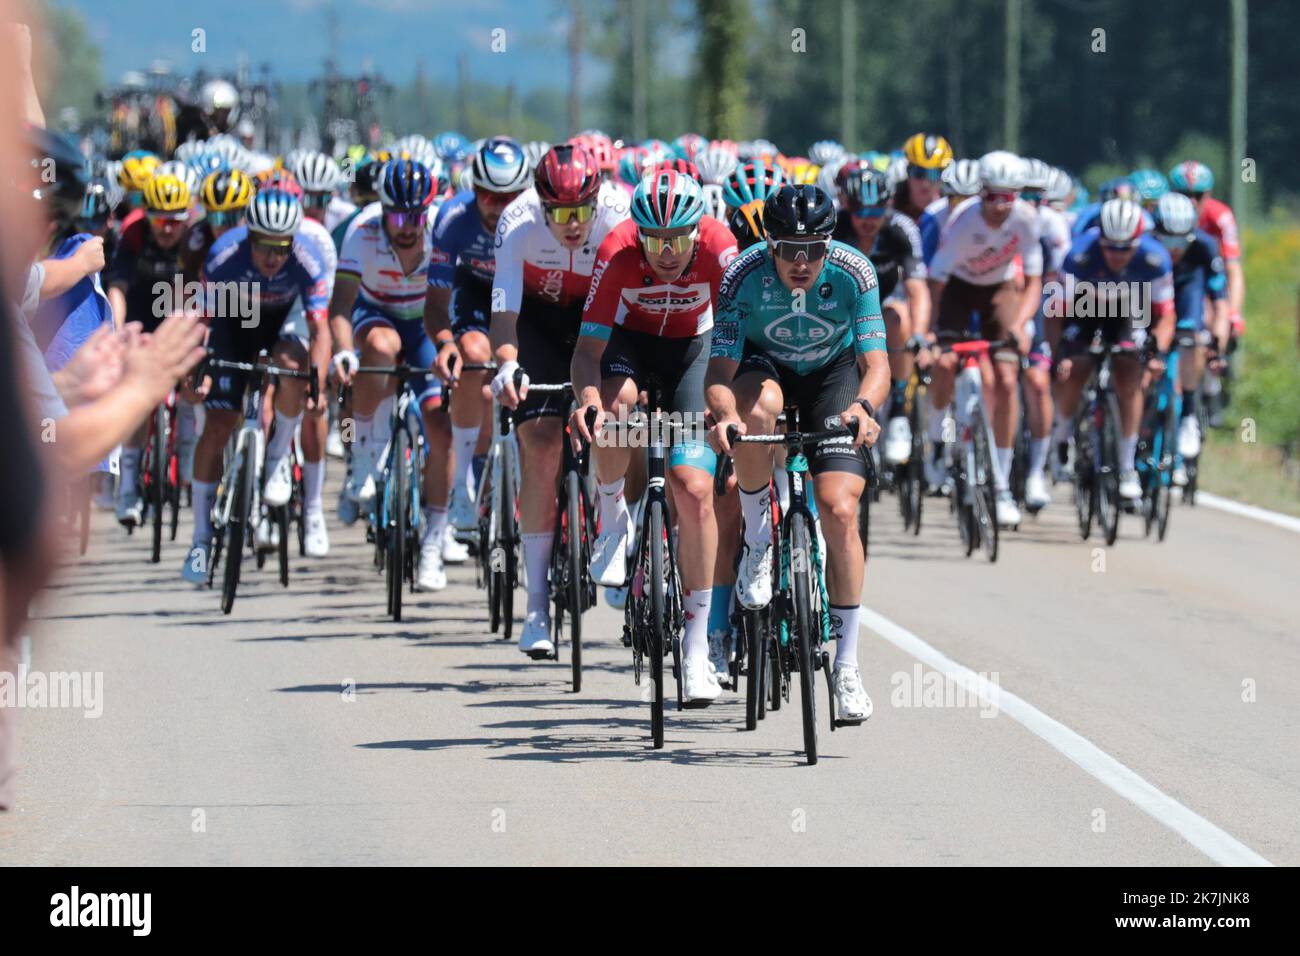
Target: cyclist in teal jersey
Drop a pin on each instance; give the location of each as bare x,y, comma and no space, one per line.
799,324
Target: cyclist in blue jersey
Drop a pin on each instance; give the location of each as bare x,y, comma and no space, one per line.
1122,187
1199,272
458,302
799,323
252,277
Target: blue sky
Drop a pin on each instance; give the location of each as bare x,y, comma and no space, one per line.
292,35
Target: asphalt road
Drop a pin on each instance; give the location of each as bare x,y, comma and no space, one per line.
236,740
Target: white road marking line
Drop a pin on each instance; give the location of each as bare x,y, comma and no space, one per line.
1274,518
1218,845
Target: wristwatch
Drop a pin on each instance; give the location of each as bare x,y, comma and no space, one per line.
871,412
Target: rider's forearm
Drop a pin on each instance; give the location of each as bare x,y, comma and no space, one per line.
918,299
875,377
1029,302
718,396
1221,328
584,371
117,301
505,346
437,315
1236,288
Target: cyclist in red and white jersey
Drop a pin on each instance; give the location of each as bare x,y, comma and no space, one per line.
1196,181
545,251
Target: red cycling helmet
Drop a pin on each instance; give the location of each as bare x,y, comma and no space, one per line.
283,180
682,166
567,176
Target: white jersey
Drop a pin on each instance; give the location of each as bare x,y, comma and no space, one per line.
980,254
295,323
530,260
369,257
338,210
1054,237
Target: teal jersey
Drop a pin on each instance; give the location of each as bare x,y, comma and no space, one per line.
802,331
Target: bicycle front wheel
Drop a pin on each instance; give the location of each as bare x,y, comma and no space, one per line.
158,479
576,586
1108,503
394,519
658,624
985,487
241,513
806,640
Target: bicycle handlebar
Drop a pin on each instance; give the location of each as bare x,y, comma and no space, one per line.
791,440
313,386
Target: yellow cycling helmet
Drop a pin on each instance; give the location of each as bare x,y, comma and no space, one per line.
166,193
226,191
137,169
927,151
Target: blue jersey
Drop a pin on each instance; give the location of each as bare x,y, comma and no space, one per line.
1090,215
461,246
929,227
1085,273
306,273
1200,272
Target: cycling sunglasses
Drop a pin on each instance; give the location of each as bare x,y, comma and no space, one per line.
415,219
792,250
273,247
920,172
678,245
316,200
563,215
1034,196
1174,243
164,219
488,198
231,217
998,196
1112,246
870,212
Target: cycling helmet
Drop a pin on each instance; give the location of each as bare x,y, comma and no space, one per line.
1150,184
166,192
876,159
830,174
602,149
715,164
927,151
826,151
451,147
798,211
226,191
633,164
274,212
746,224
138,167
750,181
405,185
535,150
1176,215
659,150
1036,173
866,187
567,176
316,172
219,95
1118,188
207,161
683,166
1191,177
188,150
1058,187
97,204
689,145
961,178
666,199
801,170
897,171
280,179
500,166
67,190
1121,220
1001,170
186,174
714,203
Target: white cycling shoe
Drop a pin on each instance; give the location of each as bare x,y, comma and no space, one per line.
936,476
431,575
616,597
453,551
334,442
1189,437
267,535
1180,476
195,569
852,705
535,639
279,482
1129,486
1037,496
609,556
316,538
1008,512
699,681
130,507
754,577
898,440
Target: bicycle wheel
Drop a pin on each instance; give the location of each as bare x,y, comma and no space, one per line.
509,549
1107,483
657,629
985,497
919,416
805,640
756,639
281,517
1165,477
157,478
393,516
241,514
777,679
575,583
1084,458
299,508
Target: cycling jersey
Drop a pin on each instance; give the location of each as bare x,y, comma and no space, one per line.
461,246
338,211
138,264
626,292
1090,218
980,254
531,261
197,245
340,231
1198,273
1217,220
1054,237
896,253
840,311
370,258
307,272
1092,297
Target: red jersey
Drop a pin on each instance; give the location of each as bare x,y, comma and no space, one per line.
1217,219
625,291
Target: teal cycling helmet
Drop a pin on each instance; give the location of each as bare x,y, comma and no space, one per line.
667,199
1149,183
1191,177
750,181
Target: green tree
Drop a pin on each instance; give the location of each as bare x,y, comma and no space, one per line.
66,63
721,86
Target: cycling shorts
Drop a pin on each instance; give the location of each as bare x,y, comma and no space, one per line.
417,348
471,305
547,334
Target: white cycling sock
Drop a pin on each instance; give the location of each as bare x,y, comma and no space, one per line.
937,416
1061,429
1038,449
435,524
281,435
313,481
613,505
1002,465
844,628
756,511
383,412
695,608
204,492
463,441
537,559
1128,447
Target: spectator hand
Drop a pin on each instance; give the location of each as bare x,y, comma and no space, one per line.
154,363
95,368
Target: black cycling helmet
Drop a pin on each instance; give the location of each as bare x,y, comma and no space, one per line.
61,172
746,224
797,212
865,187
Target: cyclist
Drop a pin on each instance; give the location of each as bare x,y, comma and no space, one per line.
458,302
546,247
138,167
1121,187
362,192
225,196
927,156
799,324
893,244
973,273
320,177
1149,185
961,181
1198,273
273,254
650,315
1119,256
148,253
377,304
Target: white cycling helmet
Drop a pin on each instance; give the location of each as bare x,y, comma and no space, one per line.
961,178
897,171
219,95
186,174
188,150
316,172
1121,221
826,177
500,166
824,152
274,213
1036,174
715,164
714,204
1058,186
1176,214
534,150
1002,170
